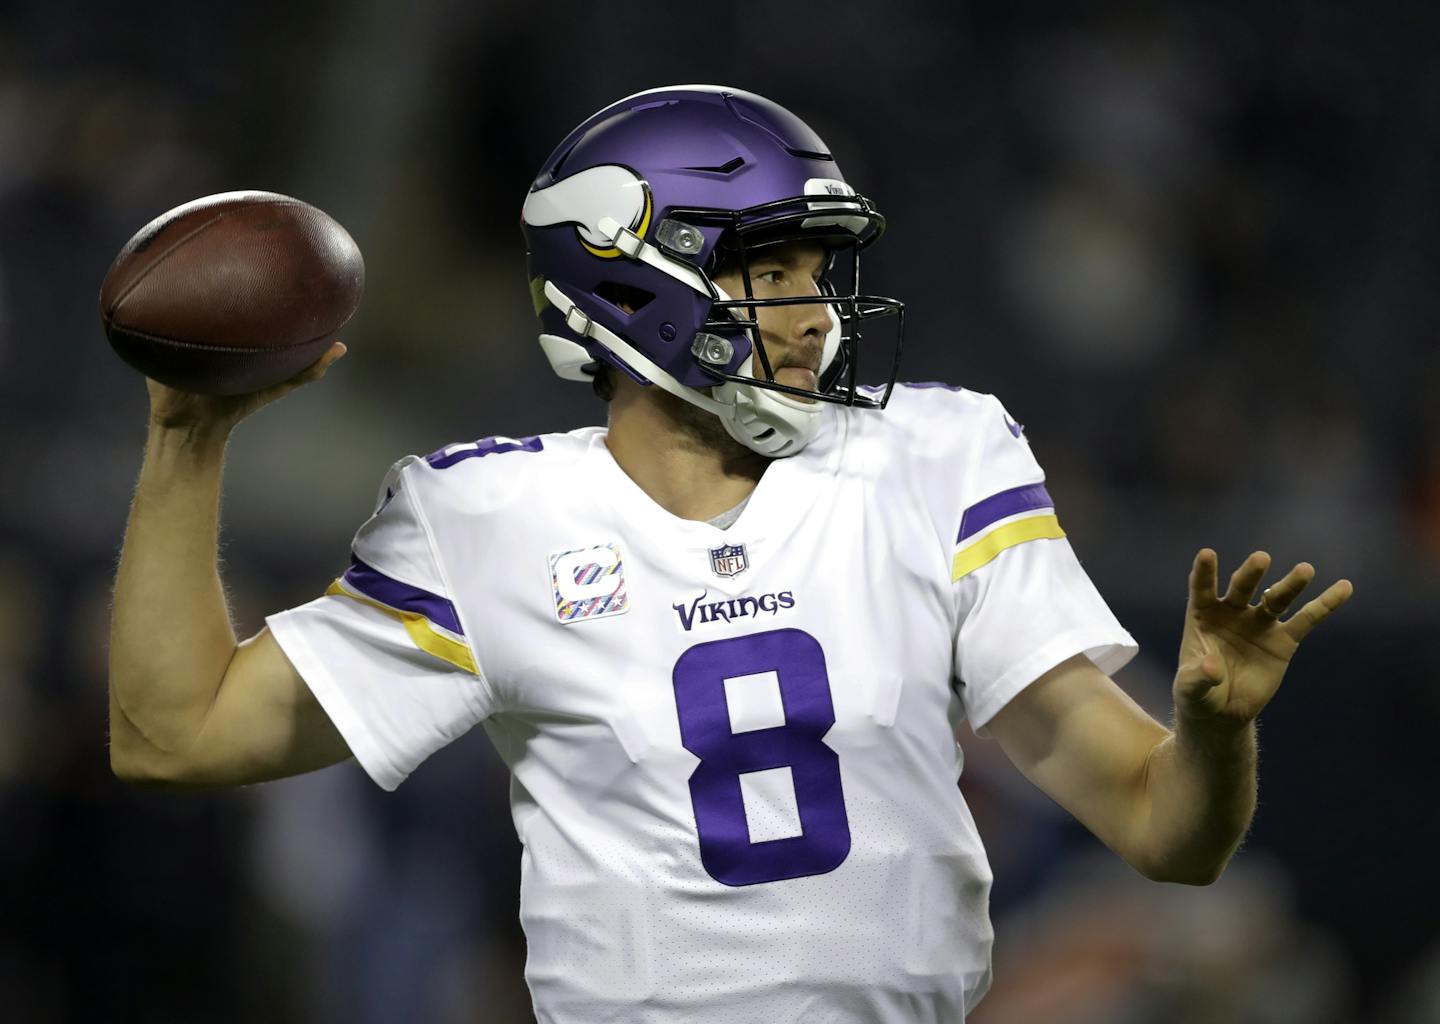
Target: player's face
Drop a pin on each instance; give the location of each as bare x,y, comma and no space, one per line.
794,336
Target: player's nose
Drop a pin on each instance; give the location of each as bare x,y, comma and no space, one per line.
813,319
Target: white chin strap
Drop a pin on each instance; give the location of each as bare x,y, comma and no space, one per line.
772,422
768,422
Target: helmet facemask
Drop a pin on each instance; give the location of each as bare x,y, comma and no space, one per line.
848,310
763,413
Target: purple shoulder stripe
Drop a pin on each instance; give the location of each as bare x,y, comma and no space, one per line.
998,506
450,454
375,585
927,385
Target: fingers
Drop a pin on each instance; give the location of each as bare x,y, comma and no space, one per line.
1276,599
312,373
1202,578
1197,678
332,355
1246,579
1318,610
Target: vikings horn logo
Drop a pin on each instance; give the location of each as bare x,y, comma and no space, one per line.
586,198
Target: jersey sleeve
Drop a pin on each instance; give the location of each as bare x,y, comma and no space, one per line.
384,649
1024,602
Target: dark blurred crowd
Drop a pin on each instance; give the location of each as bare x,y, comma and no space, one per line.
1192,246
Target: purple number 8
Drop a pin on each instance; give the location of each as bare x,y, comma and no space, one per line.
725,847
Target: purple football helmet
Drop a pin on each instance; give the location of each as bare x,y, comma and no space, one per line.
642,200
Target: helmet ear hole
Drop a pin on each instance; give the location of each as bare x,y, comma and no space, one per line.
624,297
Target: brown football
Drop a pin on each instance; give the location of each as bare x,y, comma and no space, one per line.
231,293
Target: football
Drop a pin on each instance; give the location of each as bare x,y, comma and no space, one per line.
231,293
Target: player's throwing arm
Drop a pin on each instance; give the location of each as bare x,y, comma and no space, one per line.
234,300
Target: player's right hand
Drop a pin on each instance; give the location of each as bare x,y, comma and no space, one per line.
184,410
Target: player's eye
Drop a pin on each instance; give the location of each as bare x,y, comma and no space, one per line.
771,276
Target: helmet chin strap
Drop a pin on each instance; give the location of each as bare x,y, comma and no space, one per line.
781,423
767,422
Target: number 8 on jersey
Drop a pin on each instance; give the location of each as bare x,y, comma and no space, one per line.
736,742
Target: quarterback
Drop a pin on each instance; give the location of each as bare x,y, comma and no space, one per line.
723,643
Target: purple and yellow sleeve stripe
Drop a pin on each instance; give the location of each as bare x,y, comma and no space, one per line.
429,619
1001,521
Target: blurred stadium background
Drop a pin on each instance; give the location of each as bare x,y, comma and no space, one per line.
1194,246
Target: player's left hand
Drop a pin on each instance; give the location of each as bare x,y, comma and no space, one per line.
1233,654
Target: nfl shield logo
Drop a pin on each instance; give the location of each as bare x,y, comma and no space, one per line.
729,560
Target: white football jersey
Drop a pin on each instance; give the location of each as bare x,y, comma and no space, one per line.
733,751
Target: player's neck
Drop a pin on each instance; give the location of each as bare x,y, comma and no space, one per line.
679,455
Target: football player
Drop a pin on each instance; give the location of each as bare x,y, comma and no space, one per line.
725,642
